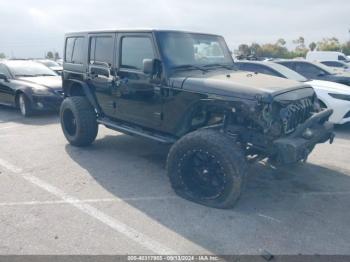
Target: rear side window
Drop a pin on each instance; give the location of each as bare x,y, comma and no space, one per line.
332,63
74,50
101,50
135,50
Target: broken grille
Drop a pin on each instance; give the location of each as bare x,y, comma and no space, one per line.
295,114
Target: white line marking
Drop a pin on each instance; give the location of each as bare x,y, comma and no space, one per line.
98,200
10,167
122,228
115,224
270,218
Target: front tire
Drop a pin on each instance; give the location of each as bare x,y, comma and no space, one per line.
208,168
78,121
24,105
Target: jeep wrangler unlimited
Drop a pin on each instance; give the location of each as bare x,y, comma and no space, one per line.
181,88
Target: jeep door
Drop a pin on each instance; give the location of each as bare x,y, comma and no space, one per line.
100,69
138,99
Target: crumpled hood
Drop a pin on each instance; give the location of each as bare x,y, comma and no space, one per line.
330,86
237,84
52,82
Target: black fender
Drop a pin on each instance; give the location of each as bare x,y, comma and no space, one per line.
88,93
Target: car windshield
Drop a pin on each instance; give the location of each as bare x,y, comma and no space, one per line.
288,73
29,69
194,51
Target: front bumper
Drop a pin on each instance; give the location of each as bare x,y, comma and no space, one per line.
47,103
298,145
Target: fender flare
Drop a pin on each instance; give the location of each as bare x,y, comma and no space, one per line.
89,95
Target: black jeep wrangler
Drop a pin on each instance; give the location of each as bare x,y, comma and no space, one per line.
181,88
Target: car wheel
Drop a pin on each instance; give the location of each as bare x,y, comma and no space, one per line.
78,121
207,167
24,105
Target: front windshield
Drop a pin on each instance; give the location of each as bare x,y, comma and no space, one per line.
29,69
288,73
181,49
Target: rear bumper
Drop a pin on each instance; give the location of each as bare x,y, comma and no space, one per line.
301,142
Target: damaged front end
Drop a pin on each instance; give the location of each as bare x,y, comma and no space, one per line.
284,128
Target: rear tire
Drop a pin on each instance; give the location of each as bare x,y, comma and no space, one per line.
208,168
78,121
24,105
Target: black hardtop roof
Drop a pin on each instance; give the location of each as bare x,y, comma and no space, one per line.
136,30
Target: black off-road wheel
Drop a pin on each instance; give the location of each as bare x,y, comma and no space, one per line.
207,167
78,121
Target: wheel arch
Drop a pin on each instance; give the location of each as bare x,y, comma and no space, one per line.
211,109
18,92
74,87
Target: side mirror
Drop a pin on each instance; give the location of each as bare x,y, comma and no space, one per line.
98,71
4,77
149,66
152,66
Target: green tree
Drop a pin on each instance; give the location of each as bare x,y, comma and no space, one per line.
255,49
346,48
244,50
2,56
312,46
329,44
300,49
281,42
57,56
49,55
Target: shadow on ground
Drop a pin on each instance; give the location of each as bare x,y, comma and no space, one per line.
12,115
288,211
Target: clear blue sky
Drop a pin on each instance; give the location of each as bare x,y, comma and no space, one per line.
30,28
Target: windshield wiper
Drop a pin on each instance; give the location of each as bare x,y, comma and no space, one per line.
44,75
230,67
195,67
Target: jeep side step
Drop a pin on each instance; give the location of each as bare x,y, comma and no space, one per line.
134,131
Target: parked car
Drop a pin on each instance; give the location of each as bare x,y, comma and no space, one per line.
315,70
338,66
30,86
159,85
54,66
331,95
326,56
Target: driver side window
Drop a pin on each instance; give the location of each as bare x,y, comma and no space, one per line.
135,50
